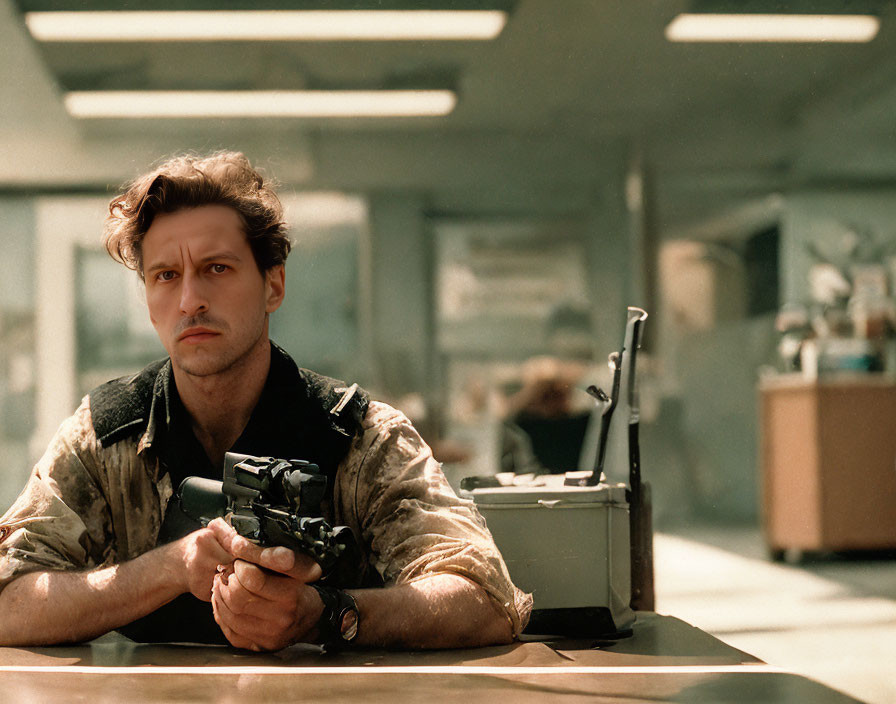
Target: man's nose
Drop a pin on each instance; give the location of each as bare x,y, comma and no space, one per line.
192,295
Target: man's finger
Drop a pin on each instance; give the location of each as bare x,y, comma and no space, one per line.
252,607
250,577
232,541
219,611
269,586
222,530
219,552
241,630
277,558
236,640
290,563
239,600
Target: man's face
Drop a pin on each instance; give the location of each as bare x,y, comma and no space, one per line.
207,299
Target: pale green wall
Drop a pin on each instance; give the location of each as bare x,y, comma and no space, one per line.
16,253
318,321
16,341
824,217
401,290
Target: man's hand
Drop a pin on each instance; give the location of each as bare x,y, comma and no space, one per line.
199,556
263,602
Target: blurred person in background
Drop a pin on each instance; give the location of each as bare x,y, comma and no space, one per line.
545,423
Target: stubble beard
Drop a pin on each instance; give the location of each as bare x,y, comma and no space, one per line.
205,363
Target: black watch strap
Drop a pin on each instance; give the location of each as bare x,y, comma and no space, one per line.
338,624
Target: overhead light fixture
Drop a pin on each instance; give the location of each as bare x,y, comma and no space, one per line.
700,27
301,104
265,25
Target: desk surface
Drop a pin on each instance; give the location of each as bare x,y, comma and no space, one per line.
665,660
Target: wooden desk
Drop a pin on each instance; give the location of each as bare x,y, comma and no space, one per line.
665,660
828,462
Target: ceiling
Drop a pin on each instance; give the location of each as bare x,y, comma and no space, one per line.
548,113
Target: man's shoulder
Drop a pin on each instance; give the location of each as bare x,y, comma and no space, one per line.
386,426
382,417
121,407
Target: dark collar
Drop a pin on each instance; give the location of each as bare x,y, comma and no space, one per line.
300,415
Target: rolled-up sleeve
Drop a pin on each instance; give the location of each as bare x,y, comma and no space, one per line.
61,518
412,520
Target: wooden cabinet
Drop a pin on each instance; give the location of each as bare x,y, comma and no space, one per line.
828,455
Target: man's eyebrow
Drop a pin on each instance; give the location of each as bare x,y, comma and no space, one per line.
218,256
158,266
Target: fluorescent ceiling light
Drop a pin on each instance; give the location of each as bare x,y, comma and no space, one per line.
255,25
772,28
210,103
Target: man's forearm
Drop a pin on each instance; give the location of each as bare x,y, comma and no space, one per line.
41,608
441,611
266,602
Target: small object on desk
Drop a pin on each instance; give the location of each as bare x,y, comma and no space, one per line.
569,546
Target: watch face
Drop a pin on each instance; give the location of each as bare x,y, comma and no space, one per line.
349,626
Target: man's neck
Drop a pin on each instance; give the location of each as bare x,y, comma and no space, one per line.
220,405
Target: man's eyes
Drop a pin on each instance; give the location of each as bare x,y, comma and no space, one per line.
170,274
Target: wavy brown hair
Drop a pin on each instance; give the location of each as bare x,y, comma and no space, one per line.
190,181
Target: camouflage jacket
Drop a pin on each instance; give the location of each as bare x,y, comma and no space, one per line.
90,504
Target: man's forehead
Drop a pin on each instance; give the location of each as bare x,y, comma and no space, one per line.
197,231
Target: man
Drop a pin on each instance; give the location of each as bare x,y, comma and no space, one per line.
95,542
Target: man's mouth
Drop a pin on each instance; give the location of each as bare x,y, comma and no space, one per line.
195,335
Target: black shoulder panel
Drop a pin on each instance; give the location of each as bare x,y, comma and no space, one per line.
343,406
120,408
330,419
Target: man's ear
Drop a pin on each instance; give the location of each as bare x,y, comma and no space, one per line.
274,287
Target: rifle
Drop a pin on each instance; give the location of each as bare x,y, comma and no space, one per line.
274,502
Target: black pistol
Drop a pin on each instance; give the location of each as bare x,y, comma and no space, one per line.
275,502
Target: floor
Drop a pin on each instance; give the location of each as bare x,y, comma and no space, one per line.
832,619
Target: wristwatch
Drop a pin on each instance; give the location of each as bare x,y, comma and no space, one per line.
338,624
